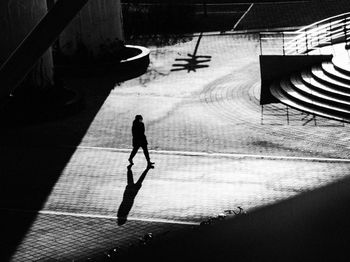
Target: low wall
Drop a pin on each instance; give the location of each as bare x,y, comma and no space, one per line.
274,67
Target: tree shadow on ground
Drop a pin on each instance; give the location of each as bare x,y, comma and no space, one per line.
130,193
33,157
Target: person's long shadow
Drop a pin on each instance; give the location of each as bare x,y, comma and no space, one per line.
194,61
130,193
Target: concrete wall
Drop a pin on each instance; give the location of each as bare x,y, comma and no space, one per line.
274,67
96,28
17,19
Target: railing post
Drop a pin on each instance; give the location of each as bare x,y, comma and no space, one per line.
344,29
318,36
315,120
284,52
260,43
330,31
346,33
205,8
306,42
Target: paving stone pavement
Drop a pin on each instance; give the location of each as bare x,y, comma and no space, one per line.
69,238
214,148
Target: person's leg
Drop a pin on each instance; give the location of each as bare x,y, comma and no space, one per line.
145,151
133,153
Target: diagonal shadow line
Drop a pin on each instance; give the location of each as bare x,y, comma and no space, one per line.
197,44
308,121
30,168
312,226
129,195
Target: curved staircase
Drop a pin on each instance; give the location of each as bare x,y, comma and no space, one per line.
323,89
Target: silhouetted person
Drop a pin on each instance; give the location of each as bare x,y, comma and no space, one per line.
139,140
130,193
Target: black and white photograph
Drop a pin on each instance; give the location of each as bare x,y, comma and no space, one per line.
174,130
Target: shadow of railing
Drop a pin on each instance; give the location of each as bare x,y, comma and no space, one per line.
280,114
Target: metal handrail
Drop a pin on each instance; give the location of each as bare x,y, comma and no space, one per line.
328,31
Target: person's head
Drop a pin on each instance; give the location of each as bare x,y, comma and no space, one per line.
138,118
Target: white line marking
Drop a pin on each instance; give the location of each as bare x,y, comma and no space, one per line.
239,20
168,221
219,12
226,155
206,154
58,213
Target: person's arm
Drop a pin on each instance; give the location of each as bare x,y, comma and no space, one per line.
142,131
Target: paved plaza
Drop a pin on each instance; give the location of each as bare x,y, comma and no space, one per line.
214,146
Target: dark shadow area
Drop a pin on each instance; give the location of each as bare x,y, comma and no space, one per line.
148,18
130,193
194,61
110,61
29,105
279,14
159,40
313,226
34,156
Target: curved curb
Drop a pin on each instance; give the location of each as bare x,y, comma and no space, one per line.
126,69
144,53
133,66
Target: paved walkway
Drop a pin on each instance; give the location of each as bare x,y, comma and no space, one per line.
214,148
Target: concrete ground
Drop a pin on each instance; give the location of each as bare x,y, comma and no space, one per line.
214,146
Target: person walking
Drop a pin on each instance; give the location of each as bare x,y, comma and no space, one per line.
139,140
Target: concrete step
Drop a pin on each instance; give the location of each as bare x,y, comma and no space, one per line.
318,105
342,64
316,95
277,92
309,80
329,69
321,77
